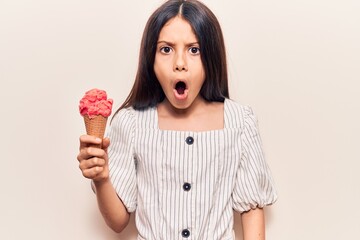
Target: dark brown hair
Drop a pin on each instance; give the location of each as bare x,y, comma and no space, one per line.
146,91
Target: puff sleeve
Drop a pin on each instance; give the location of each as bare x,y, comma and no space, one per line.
121,157
254,186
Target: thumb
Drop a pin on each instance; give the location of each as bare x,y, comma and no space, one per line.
105,143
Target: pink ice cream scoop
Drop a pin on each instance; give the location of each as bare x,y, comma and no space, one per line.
95,103
95,107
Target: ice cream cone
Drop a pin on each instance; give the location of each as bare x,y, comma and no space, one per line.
95,126
95,107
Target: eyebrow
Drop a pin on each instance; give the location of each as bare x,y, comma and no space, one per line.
172,44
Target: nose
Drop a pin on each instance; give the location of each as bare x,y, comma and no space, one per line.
180,63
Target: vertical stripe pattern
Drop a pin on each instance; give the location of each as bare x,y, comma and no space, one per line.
185,185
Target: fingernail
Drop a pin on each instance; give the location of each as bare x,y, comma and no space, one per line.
98,139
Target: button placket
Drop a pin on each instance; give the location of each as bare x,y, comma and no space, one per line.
185,233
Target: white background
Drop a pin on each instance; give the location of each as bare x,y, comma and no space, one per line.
297,63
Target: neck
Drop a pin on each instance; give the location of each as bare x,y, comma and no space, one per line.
194,118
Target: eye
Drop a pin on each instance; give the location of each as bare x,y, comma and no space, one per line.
194,50
165,50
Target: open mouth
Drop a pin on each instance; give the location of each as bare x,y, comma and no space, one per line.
180,87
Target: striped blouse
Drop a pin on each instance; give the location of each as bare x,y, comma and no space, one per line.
184,184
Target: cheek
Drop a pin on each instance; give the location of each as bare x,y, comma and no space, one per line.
160,67
203,75
156,64
200,74
160,74
157,70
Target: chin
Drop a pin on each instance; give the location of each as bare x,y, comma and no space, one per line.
183,105
179,106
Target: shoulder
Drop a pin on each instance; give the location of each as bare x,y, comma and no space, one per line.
123,118
123,114
239,114
126,117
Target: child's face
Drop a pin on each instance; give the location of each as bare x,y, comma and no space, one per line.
178,65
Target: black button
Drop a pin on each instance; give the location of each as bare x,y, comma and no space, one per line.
185,233
189,140
187,186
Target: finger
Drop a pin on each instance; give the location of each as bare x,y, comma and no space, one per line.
91,163
87,140
84,154
92,172
89,152
105,143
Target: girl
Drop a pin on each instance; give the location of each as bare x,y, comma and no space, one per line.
182,154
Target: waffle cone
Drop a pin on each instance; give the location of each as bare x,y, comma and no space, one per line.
95,126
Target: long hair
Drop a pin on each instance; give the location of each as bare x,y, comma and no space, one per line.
146,91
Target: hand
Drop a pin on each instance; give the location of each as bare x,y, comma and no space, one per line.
93,161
